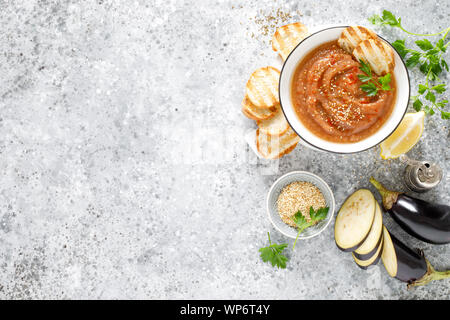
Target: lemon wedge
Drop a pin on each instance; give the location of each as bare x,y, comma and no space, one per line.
404,137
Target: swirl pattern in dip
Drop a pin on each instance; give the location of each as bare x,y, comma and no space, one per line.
328,100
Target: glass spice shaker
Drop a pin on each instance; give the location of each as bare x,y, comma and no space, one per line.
421,176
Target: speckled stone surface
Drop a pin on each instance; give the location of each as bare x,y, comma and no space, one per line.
124,171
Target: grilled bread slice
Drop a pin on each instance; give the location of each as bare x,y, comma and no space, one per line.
353,35
253,112
287,37
377,54
262,87
276,125
274,147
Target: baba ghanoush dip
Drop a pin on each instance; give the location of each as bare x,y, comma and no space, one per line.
328,100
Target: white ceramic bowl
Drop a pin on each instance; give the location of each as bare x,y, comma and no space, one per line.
287,73
275,191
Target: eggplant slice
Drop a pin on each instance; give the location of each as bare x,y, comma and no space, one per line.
408,265
388,256
370,245
373,260
354,220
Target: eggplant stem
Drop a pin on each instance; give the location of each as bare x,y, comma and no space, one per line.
430,275
389,197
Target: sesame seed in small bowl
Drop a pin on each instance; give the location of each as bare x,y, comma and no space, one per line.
300,199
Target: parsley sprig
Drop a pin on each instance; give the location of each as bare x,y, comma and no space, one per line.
370,85
273,254
389,19
302,223
429,59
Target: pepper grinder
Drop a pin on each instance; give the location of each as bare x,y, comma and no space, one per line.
421,176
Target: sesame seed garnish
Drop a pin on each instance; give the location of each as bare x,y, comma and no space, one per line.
299,196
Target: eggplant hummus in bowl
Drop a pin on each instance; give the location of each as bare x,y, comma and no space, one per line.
340,89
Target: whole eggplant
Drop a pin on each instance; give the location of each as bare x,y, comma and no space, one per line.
426,221
411,265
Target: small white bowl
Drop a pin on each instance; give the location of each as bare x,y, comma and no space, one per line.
275,191
287,73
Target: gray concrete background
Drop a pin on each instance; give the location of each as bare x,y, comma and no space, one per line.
123,168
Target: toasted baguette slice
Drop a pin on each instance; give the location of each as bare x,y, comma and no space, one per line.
353,35
253,112
377,54
276,125
274,147
262,87
287,37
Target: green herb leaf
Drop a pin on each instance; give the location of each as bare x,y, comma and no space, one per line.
370,89
432,56
279,260
399,45
320,214
445,115
430,96
364,78
429,110
442,103
417,105
300,220
440,45
424,44
376,20
424,68
422,88
384,81
390,19
315,217
273,254
436,70
413,60
266,254
364,67
440,88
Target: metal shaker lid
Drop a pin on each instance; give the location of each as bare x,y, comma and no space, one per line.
421,176
429,174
